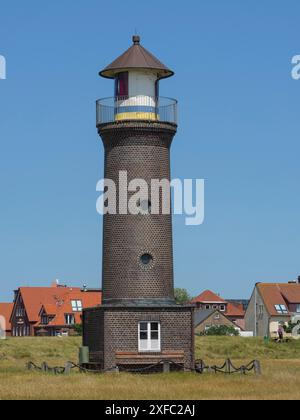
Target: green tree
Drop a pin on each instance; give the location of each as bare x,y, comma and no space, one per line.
78,329
182,296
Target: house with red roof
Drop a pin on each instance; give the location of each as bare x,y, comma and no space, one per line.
272,305
5,314
50,311
233,310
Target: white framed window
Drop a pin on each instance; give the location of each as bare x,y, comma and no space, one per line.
149,336
207,307
76,305
298,309
70,319
281,309
222,308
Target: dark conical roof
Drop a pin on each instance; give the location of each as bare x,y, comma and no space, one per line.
136,57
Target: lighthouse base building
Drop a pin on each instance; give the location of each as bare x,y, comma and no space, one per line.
139,324
113,335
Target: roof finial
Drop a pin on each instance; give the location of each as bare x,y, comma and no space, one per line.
136,39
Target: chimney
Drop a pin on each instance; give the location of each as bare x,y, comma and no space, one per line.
295,281
16,292
55,283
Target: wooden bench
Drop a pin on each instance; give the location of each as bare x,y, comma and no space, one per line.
130,357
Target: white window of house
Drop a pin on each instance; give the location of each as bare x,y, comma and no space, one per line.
298,309
76,305
207,307
222,308
149,336
70,319
281,309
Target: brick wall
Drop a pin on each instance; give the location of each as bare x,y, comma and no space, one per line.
121,332
143,150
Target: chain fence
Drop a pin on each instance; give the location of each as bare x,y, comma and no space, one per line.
165,366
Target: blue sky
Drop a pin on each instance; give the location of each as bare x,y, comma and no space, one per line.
239,130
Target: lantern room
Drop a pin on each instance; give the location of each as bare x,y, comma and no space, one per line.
137,74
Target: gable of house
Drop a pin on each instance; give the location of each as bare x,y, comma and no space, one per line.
277,296
209,300
208,318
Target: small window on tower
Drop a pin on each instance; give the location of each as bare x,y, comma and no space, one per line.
121,85
146,259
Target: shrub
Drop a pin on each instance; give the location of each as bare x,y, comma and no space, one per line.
221,330
78,329
288,329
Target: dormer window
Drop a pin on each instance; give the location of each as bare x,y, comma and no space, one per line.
70,319
121,85
76,305
281,309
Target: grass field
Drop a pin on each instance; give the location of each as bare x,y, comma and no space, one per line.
280,379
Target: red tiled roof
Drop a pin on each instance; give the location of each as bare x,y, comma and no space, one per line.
291,292
55,300
235,310
278,294
88,299
241,323
50,308
5,311
208,297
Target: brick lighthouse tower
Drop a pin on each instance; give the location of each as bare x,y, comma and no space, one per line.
139,323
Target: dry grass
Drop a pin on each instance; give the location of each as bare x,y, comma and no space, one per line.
280,379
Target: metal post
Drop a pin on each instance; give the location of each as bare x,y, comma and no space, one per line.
45,367
228,366
167,368
68,368
257,367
